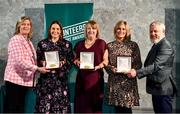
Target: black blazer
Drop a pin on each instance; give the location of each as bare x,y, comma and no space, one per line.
158,69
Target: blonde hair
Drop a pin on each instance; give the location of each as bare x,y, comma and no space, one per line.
128,34
94,25
18,24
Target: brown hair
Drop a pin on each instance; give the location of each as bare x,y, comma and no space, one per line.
95,25
18,24
128,34
61,28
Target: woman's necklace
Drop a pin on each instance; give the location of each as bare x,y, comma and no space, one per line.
89,43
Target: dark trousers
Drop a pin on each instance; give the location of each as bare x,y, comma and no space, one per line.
162,103
14,98
119,109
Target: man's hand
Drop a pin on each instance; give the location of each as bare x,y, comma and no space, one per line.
131,73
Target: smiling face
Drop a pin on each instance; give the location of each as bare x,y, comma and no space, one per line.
91,31
24,27
121,32
55,31
157,32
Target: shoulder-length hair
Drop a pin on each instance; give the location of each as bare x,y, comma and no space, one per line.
18,24
61,28
94,25
128,34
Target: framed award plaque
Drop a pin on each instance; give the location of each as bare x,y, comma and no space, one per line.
86,60
52,59
123,64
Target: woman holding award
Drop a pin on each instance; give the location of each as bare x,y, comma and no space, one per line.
123,54
21,67
57,55
91,57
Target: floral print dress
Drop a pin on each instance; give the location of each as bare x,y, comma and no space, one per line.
52,89
122,91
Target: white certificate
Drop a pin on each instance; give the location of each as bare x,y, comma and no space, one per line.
52,59
123,64
86,60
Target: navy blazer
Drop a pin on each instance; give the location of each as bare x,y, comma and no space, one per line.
158,69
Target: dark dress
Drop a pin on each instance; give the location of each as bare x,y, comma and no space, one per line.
122,91
52,89
89,83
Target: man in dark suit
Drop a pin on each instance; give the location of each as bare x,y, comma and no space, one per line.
158,70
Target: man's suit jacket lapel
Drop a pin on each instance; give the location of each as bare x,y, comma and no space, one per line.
151,52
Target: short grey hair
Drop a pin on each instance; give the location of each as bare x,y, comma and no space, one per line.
159,24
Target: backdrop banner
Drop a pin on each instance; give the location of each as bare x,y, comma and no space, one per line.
72,16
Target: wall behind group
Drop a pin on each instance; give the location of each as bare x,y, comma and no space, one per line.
138,13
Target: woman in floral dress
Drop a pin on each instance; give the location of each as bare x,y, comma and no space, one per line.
122,91
52,89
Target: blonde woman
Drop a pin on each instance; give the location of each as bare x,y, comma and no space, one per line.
122,91
21,67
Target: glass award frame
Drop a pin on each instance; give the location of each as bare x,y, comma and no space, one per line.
86,60
52,59
123,64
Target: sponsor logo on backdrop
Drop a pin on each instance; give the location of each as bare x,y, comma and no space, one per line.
75,31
